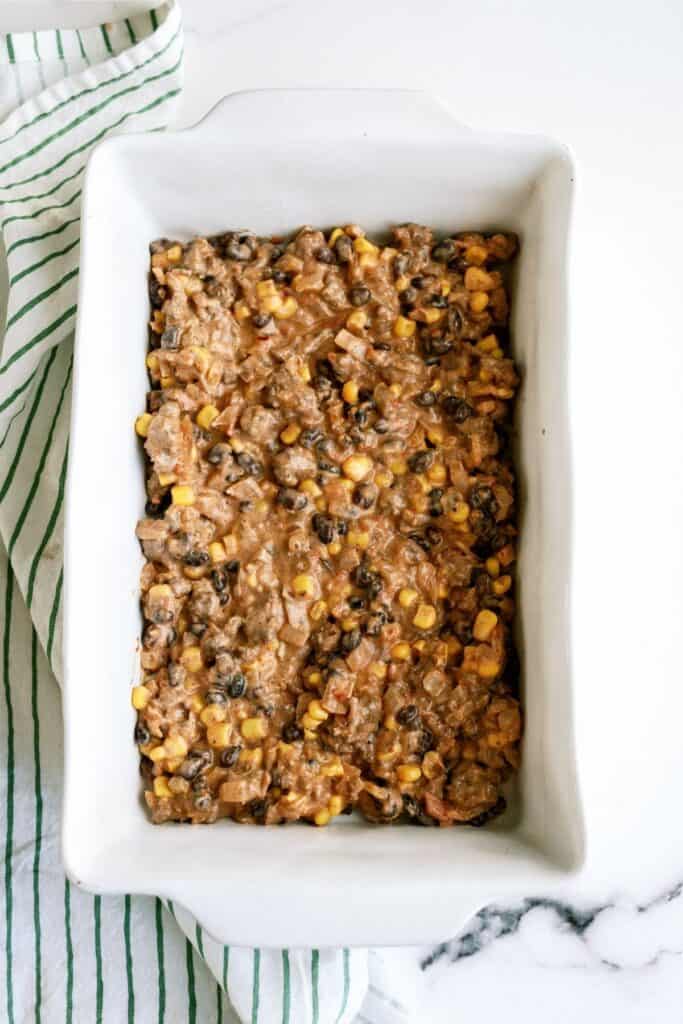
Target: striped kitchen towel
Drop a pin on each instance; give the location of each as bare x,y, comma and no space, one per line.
68,955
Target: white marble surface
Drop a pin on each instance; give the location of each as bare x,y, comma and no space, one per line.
606,78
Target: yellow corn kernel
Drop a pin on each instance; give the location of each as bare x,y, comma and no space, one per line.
167,382
304,374
408,772
378,669
287,308
252,580
407,596
357,467
191,658
213,713
454,646
396,390
493,567
332,770
152,362
216,552
399,467
159,592
202,357
425,616
322,817
484,624
476,254
347,484
196,703
334,235
318,610
384,478
432,315
357,320
174,254
165,479
254,728
241,311
310,488
219,734
477,280
206,416
445,287
363,245
181,495
367,259
404,328
348,624
436,386
488,668
142,424
350,392
358,539
478,302
290,433
436,433
460,512
178,786
400,652
321,504
161,787
437,474
303,585
419,646
266,288
157,754
390,723
497,353
317,711
402,283
194,572
336,805
335,547
309,723
502,585
252,758
314,678
309,734
176,746
140,697
487,344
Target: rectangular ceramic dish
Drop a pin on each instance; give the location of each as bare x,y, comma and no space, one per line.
272,161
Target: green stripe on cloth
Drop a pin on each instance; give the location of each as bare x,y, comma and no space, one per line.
219,1004
155,21
18,391
41,263
131,32
60,48
161,974
49,529
14,416
69,953
40,336
38,830
49,192
37,299
286,993
315,998
129,959
256,986
200,939
97,908
226,964
107,40
9,828
347,985
40,238
53,615
85,57
191,991
27,425
39,213
10,48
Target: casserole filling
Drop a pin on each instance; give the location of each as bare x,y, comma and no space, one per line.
330,529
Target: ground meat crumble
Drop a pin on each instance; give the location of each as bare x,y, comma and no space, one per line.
330,529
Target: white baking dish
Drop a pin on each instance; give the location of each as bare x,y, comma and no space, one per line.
272,161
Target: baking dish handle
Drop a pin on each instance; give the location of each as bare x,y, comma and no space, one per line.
321,115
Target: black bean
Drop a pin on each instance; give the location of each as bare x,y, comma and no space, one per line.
199,784
230,756
203,802
420,462
435,510
432,361
191,767
325,255
219,453
198,628
362,576
381,427
309,437
364,495
342,526
420,540
219,578
141,734
344,249
350,641
360,413
237,685
408,296
409,716
436,494
482,497
381,346
292,732
444,251
258,808
418,281
455,320
486,816
156,509
157,293
414,811
281,277
356,603
425,399
375,588
359,295
457,408
233,566
323,446
216,696
238,246
290,499
425,742
161,616
325,527
249,464
195,558
463,631
323,388
434,536
261,319
324,368
436,345
325,466
438,301
170,339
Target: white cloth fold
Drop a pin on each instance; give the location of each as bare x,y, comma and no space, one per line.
68,955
